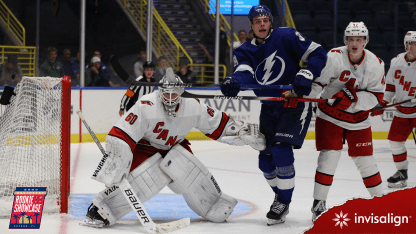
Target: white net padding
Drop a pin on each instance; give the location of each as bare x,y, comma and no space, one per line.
32,130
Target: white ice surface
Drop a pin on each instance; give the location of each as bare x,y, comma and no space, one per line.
236,171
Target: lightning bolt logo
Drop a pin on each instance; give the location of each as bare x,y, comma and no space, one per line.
268,67
264,74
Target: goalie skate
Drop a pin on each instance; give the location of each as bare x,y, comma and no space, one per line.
398,180
277,213
93,218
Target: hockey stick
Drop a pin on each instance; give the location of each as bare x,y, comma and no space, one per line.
125,76
399,103
215,86
134,201
186,94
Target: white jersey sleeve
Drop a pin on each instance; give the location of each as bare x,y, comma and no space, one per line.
374,89
212,122
322,81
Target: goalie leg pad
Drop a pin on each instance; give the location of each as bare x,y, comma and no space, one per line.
198,186
115,164
147,180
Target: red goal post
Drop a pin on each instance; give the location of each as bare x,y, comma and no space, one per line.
35,142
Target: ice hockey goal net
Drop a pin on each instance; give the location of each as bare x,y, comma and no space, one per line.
35,142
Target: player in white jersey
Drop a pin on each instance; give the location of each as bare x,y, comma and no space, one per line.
354,77
401,82
148,147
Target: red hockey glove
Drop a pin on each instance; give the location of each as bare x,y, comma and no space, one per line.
345,97
379,108
292,97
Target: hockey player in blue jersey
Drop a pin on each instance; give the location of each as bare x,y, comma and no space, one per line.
272,58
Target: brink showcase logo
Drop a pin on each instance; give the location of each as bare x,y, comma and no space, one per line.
27,207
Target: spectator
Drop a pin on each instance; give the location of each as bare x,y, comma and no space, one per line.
66,62
94,75
207,44
112,80
51,67
138,66
250,35
242,37
11,72
97,53
184,72
76,70
161,68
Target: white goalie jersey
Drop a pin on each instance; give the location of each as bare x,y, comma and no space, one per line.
401,82
148,122
367,77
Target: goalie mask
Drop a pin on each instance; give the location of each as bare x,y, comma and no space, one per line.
356,29
409,38
169,94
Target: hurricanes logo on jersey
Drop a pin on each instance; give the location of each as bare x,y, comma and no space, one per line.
270,70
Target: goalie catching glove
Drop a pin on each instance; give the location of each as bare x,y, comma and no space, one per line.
239,133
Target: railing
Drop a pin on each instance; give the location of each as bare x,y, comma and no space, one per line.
26,56
206,73
288,16
12,23
164,42
227,28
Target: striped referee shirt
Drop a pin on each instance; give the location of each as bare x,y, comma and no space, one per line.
134,93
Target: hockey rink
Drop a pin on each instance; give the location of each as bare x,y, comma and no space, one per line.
236,171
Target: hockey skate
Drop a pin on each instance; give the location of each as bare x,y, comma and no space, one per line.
318,207
93,218
277,213
398,180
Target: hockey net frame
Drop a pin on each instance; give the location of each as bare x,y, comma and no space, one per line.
53,142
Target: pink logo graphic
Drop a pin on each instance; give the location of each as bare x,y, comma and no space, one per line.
341,219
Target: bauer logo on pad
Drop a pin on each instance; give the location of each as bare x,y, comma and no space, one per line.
27,207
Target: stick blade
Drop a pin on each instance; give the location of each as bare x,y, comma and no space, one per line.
173,226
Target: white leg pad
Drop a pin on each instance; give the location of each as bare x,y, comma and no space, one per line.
147,180
327,164
198,186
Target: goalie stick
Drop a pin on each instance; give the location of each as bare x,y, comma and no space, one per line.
125,77
135,203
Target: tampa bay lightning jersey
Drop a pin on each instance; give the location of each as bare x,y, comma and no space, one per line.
276,60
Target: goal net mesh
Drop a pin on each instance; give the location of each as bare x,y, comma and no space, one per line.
31,142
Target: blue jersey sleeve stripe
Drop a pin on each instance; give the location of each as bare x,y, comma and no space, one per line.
310,49
244,67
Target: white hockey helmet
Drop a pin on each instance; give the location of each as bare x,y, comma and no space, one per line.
356,29
170,92
409,37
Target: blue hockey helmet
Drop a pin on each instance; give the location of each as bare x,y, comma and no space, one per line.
259,10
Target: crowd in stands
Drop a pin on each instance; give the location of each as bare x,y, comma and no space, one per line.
98,74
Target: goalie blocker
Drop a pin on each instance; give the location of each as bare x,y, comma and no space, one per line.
183,173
